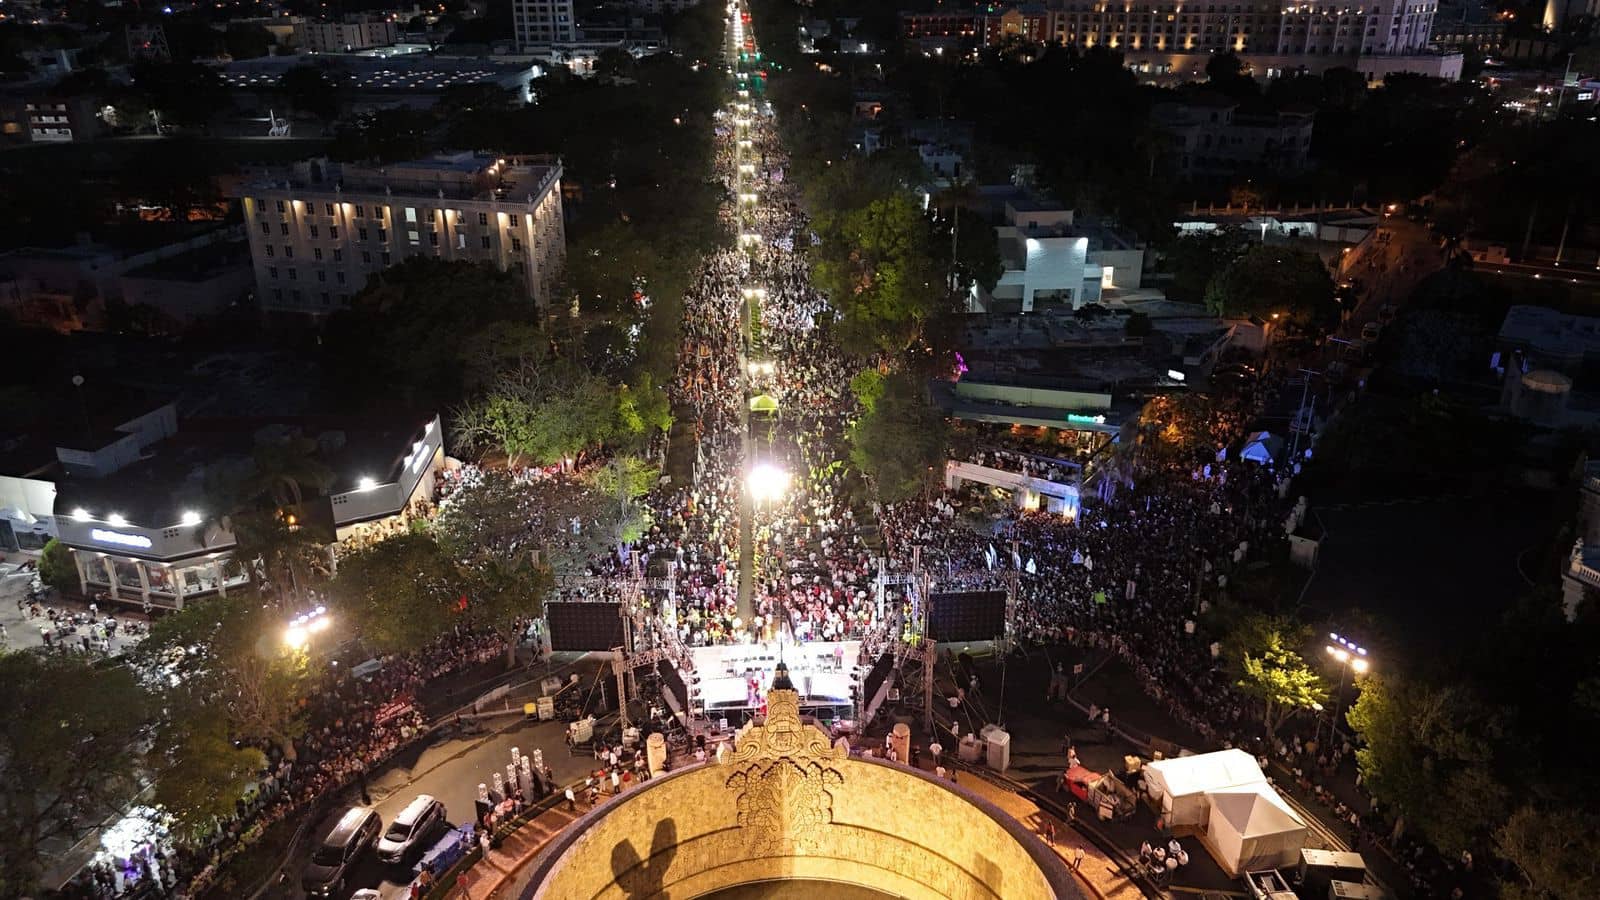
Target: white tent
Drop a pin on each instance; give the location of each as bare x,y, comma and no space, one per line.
1179,785
1253,828
1261,447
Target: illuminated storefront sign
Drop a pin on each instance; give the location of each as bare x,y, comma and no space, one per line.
119,538
1086,420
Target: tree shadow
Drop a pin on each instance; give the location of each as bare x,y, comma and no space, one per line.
640,879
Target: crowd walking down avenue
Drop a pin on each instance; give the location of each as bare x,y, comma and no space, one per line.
773,536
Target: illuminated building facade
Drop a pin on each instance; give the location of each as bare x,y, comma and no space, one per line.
1166,37
317,236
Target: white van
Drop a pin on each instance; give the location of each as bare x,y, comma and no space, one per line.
420,821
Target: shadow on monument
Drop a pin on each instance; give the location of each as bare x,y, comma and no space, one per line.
640,879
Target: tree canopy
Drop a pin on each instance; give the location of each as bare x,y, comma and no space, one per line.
406,334
69,738
1261,652
399,594
901,439
1428,752
1269,280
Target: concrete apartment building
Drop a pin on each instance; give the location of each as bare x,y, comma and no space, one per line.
351,33
1211,137
541,24
317,234
1166,38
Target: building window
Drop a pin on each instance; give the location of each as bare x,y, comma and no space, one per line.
361,211
322,275
516,244
272,272
461,241
366,256
288,252
294,275
266,228
361,234
338,256
269,251
277,294
281,207
513,219
326,299
485,240
339,277
430,217
386,257
433,238
316,253
333,232
411,214
483,218
283,228
383,235
313,231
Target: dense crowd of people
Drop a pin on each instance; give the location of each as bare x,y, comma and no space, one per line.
754,326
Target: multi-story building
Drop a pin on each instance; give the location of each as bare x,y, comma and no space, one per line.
352,33
1049,259
540,24
1167,37
316,237
1211,137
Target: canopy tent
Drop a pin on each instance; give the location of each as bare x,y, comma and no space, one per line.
1262,447
1179,786
1252,827
763,403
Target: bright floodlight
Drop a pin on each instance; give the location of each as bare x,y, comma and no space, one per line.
80,515
190,517
117,521
296,636
767,482
1359,664
366,484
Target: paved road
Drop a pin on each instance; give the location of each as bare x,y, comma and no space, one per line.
21,632
449,769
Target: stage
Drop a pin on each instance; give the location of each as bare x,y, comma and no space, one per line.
737,676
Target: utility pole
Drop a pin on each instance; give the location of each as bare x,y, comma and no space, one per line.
1303,415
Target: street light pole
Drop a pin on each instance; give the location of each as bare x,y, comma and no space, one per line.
1350,655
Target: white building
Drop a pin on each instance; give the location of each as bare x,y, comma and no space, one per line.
131,502
1051,260
317,236
353,33
540,24
1209,136
1274,38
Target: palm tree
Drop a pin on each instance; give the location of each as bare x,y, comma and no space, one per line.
284,469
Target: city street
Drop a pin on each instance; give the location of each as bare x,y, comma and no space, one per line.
450,770
21,632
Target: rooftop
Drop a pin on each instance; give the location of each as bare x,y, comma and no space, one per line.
372,73
1550,332
461,175
171,477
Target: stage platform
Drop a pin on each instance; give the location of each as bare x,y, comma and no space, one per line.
737,676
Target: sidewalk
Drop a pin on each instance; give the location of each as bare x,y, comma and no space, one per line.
1098,874
23,633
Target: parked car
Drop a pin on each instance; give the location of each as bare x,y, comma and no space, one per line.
328,873
410,831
